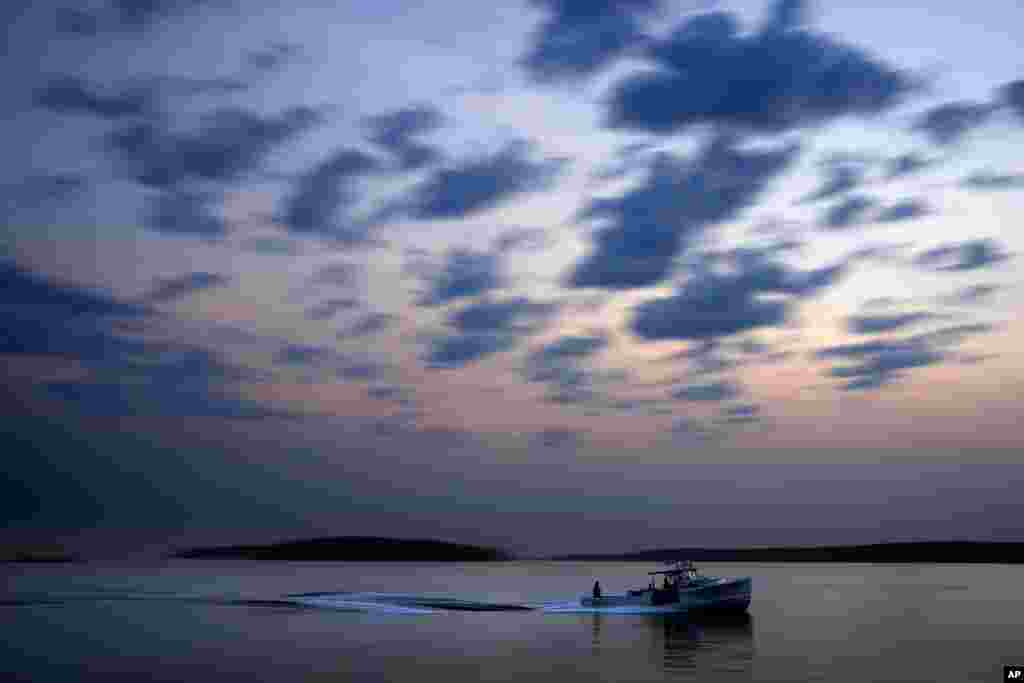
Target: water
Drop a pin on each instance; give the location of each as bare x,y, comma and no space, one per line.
258,621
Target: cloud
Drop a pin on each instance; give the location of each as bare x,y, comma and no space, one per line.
128,375
397,133
457,350
712,305
368,324
650,225
325,190
178,287
325,310
714,391
873,324
580,38
485,327
971,295
847,212
182,211
44,190
125,15
521,239
949,123
1012,95
473,185
559,365
465,273
272,57
229,143
906,210
880,362
488,315
779,78
885,364
906,164
841,179
986,180
960,256
73,95
324,361
301,354
340,274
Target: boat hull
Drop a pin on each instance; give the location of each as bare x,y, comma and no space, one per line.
714,595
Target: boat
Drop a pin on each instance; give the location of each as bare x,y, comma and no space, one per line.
683,589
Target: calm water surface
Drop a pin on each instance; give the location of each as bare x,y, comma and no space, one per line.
247,621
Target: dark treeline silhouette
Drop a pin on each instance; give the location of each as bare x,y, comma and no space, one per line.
352,549
920,551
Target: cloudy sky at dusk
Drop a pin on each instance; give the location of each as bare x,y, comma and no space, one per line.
547,274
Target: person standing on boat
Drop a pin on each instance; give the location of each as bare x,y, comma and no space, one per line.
597,590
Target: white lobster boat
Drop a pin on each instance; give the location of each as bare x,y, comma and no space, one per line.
683,589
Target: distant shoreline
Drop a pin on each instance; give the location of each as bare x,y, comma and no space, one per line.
351,549
922,552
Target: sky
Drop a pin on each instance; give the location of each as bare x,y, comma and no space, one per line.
552,275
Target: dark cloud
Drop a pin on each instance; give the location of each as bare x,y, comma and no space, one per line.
841,179
488,315
873,324
877,363
487,326
370,323
560,366
1012,95
41,317
714,391
457,350
465,273
906,164
128,375
949,123
712,305
228,144
325,191
959,256
180,211
986,180
885,364
178,287
473,185
971,295
44,190
322,362
126,15
779,78
651,224
327,309
580,37
847,212
73,95
398,132
906,210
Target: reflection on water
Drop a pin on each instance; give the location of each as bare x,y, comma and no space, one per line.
681,645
